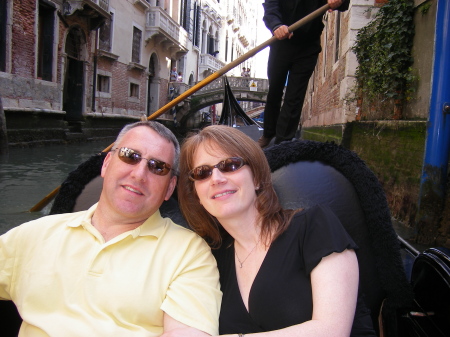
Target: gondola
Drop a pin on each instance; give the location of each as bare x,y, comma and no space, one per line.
232,111
233,114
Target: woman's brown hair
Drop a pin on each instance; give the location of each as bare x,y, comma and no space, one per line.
274,220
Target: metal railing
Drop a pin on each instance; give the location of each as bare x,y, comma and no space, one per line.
238,83
159,22
70,6
104,4
210,62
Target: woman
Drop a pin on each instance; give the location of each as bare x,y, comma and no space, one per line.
282,272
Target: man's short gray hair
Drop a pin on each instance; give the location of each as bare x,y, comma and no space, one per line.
160,130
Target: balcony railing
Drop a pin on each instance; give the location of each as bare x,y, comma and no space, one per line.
209,62
164,29
178,88
237,84
104,4
101,7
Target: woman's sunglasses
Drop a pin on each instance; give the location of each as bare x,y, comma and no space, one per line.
227,165
132,157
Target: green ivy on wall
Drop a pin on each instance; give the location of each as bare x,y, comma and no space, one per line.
383,50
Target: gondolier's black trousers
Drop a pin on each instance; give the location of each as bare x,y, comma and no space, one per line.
297,62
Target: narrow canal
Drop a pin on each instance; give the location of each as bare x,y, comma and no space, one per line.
28,174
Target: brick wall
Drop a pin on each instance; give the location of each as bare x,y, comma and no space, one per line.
323,102
164,97
23,42
120,102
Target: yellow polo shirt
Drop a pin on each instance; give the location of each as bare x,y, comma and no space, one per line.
66,281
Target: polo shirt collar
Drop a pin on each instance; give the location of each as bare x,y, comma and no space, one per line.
154,226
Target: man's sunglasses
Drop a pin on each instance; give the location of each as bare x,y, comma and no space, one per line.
132,157
226,165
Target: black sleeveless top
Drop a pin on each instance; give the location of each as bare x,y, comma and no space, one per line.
281,294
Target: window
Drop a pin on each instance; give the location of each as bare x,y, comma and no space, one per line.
136,51
45,41
105,35
232,51
226,48
210,42
186,15
134,90
196,32
103,83
3,28
337,37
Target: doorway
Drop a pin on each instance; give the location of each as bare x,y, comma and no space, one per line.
153,86
73,92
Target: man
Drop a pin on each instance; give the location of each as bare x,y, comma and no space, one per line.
292,56
119,268
173,75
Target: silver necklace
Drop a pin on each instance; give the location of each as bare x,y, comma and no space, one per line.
242,262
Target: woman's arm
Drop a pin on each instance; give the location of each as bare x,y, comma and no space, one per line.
335,283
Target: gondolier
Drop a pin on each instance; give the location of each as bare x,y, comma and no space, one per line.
292,56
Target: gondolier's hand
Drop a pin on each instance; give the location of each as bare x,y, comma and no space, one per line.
282,32
334,4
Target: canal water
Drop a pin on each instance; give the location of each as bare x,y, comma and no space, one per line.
27,175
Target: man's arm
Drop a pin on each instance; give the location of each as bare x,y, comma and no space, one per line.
7,260
173,328
272,14
193,297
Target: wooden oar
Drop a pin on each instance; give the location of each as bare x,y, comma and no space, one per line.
46,200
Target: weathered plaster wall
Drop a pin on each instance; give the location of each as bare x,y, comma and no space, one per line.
394,151
423,50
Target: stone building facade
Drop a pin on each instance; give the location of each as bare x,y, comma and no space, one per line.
73,62
333,79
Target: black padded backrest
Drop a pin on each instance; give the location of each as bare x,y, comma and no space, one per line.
89,195
75,183
379,253
306,183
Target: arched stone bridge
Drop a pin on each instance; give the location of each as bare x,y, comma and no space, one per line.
244,89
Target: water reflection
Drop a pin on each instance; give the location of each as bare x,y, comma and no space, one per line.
28,174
